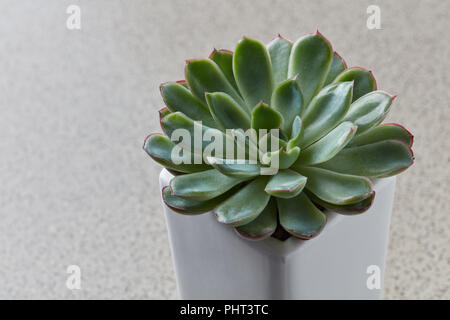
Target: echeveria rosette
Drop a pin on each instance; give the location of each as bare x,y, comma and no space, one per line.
331,137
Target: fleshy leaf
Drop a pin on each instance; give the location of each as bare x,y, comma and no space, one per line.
347,209
369,110
336,188
286,184
338,65
227,113
224,60
325,111
300,217
364,81
249,141
380,159
191,206
183,83
310,59
328,146
235,168
178,98
178,120
279,52
205,76
296,133
245,205
160,147
287,99
265,143
253,71
263,226
264,117
203,185
285,158
163,112
388,131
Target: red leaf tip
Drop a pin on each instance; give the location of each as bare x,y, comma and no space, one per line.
342,59
374,80
212,53
279,36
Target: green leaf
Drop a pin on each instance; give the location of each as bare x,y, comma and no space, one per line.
205,76
224,60
178,98
245,205
337,66
335,187
264,117
178,120
347,209
300,217
203,185
160,148
389,131
249,141
380,159
253,71
364,81
163,112
286,184
369,110
310,59
325,111
190,206
235,168
296,133
285,158
288,101
279,52
183,83
263,226
328,146
227,113
265,143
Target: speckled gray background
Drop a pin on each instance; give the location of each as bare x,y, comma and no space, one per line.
75,106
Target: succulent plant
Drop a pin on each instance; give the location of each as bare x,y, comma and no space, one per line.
331,140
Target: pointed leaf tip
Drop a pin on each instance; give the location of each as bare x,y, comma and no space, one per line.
364,81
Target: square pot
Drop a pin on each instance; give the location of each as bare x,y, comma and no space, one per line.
345,261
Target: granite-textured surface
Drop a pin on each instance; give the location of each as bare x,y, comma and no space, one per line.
75,106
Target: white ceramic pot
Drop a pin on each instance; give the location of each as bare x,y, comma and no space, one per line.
213,262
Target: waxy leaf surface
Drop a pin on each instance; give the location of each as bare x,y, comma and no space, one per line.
336,188
203,185
300,217
263,226
286,184
328,146
245,205
253,72
376,160
310,59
